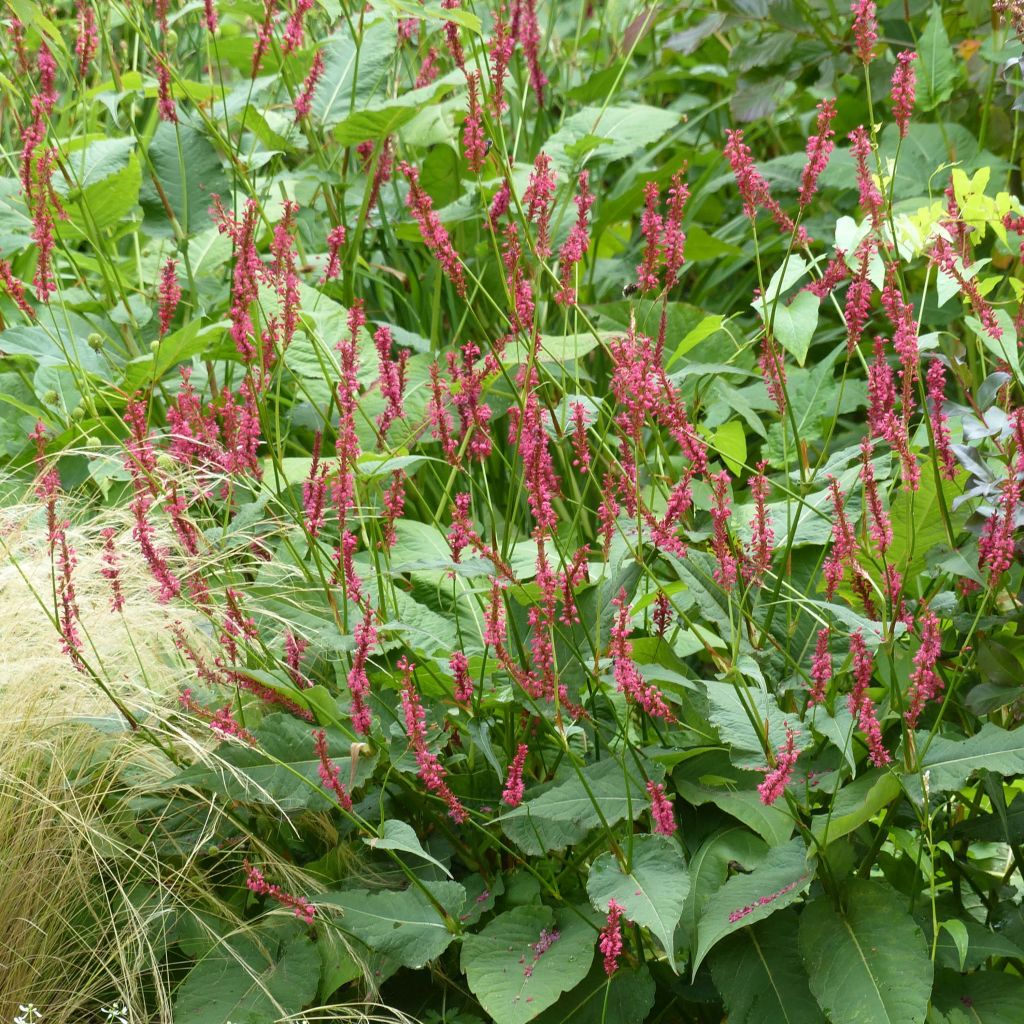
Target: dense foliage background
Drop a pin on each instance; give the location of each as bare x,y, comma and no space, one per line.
526,500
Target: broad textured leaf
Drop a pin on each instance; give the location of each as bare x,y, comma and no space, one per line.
511,979
621,129
401,837
283,769
188,177
950,763
733,847
626,998
653,891
731,713
795,323
760,976
868,962
917,526
936,68
746,899
564,814
988,997
713,778
246,979
855,804
405,926
353,72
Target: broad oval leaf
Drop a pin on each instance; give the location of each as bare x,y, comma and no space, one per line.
747,898
405,926
651,893
515,972
760,976
867,962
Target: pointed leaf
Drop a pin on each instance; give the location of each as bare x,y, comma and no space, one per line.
564,814
403,925
951,762
760,976
651,893
868,962
515,981
746,899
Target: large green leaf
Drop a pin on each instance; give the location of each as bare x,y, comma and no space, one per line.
405,926
760,976
950,763
401,838
712,778
512,979
917,525
720,853
353,71
651,893
748,898
189,177
283,768
867,962
564,814
611,133
988,997
259,978
936,70
794,324
734,712
625,998
855,804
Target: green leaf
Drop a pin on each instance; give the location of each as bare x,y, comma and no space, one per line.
936,71
401,837
717,781
951,762
615,132
760,976
188,178
564,814
651,893
283,770
625,998
731,848
867,962
511,979
250,978
855,804
795,324
746,899
988,997
729,441
917,525
696,335
731,713
405,926
353,71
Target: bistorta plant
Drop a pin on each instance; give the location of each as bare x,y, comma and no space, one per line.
585,506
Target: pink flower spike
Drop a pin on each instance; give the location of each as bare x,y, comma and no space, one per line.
865,29
170,295
610,942
87,41
819,149
304,101
821,669
259,885
904,81
662,814
777,778
514,787
474,144
936,380
433,232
